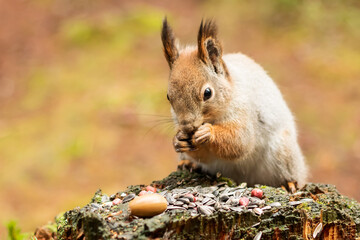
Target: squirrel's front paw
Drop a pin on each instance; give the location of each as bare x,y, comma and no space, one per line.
203,133
182,143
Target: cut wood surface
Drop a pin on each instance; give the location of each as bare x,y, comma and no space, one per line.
317,211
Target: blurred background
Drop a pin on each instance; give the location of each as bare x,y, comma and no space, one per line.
83,91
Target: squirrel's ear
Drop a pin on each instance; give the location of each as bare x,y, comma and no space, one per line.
209,47
168,40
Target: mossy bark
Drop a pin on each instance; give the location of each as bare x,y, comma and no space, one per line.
339,215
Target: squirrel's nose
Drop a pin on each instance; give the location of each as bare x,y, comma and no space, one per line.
187,127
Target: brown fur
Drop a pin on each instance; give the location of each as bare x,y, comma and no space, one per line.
225,141
189,73
210,48
170,51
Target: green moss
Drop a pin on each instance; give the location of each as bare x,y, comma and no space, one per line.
320,202
135,189
97,197
61,224
228,181
304,206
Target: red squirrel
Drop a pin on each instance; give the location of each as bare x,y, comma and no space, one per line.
230,115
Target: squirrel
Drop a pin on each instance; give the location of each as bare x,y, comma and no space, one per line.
231,116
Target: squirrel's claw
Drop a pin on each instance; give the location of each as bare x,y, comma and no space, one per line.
203,138
187,164
203,134
182,145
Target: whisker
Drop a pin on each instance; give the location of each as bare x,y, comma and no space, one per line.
158,125
156,121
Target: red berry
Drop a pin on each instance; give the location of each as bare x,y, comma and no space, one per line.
244,201
151,189
116,201
143,192
257,193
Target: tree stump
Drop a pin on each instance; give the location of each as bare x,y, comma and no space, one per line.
325,214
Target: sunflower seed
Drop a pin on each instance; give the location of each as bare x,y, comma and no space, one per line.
206,200
225,207
163,193
178,203
294,203
275,214
238,193
266,208
226,191
176,195
107,204
95,205
256,224
206,210
199,198
317,230
194,213
129,197
258,236
224,198
298,193
184,200
123,195
217,206
258,211
170,207
213,188
209,195
170,199
229,201
237,209
257,201
197,188
275,204
251,206
306,200
235,202
221,184
112,197
192,205
243,185
210,202
105,198
190,197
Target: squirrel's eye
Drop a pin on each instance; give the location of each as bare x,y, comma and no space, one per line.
167,95
207,94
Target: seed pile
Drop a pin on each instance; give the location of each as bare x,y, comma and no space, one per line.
203,200
207,200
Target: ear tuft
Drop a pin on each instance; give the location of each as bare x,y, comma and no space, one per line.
168,39
209,48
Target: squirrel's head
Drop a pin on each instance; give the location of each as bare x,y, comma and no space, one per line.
199,84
